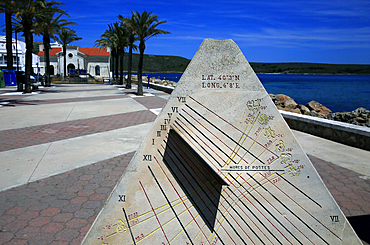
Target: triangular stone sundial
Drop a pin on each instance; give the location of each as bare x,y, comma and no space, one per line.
220,166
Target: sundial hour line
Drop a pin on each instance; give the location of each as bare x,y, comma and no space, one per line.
308,226
199,171
302,207
196,171
224,121
233,151
196,191
299,190
153,211
179,159
128,224
169,203
183,202
225,133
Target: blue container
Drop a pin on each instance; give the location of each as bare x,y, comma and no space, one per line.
10,78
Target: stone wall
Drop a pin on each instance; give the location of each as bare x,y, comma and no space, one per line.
345,133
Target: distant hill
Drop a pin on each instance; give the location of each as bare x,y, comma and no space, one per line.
157,63
161,63
309,68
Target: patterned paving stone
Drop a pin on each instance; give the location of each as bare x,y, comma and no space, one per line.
25,222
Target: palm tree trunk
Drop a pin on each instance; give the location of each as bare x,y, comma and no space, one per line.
122,54
112,54
128,84
9,50
46,41
117,61
65,61
29,43
140,69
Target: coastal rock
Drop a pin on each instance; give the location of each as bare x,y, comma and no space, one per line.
313,108
304,110
319,108
285,101
360,117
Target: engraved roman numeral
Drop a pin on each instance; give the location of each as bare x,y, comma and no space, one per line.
167,121
175,109
122,198
147,158
169,115
182,99
163,127
158,133
334,218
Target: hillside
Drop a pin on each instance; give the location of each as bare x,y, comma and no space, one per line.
309,68
157,63
160,63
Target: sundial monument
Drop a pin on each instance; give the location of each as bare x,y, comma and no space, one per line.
220,166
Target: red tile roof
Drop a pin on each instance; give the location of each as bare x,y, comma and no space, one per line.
94,51
52,51
87,51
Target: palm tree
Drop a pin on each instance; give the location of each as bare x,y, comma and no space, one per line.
48,26
121,39
6,7
131,39
25,15
144,26
108,40
65,36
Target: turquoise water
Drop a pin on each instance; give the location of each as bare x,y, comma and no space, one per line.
337,92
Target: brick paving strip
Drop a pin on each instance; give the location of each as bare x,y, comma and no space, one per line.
60,209
18,102
23,137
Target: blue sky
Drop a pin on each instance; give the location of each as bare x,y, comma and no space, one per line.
321,31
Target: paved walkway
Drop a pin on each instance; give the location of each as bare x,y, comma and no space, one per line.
63,150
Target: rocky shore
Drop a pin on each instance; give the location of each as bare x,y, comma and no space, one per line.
155,81
360,116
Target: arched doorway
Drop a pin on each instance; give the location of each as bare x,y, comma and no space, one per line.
97,70
70,67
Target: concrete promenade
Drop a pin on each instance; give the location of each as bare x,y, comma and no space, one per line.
63,150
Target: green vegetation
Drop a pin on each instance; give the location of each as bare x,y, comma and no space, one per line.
309,68
161,63
158,63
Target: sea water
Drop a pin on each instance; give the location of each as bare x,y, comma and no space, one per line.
337,92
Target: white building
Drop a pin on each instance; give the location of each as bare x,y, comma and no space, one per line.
95,61
18,48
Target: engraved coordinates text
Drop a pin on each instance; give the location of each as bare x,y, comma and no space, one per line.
220,81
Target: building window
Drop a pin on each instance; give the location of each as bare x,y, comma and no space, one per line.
51,70
70,55
97,70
